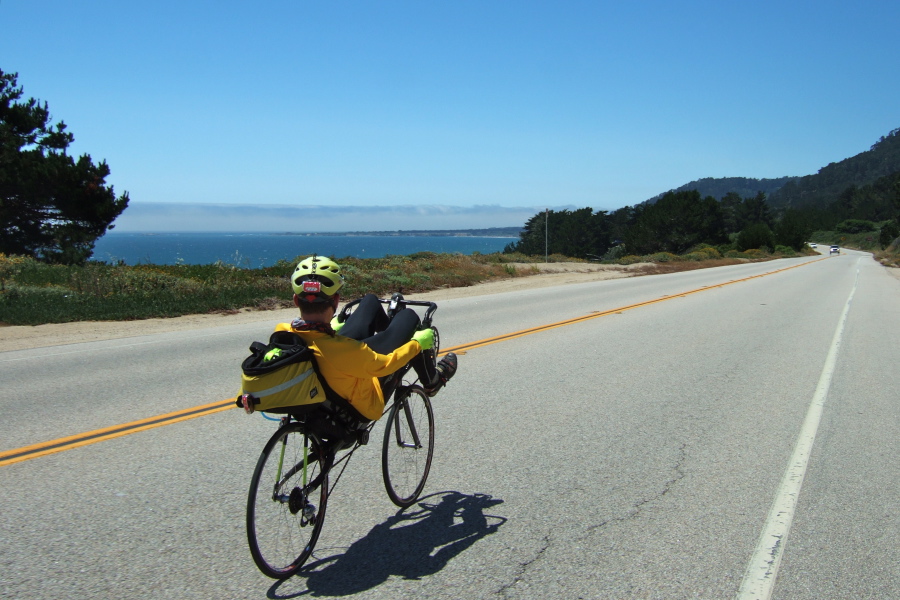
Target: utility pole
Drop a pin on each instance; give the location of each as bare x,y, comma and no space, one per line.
546,235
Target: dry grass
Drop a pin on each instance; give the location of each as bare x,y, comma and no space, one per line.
888,258
687,265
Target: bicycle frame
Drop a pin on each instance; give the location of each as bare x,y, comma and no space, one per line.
307,486
416,443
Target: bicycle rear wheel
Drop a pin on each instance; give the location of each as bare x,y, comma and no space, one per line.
408,446
287,500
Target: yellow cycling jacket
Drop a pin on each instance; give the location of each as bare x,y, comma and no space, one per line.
352,369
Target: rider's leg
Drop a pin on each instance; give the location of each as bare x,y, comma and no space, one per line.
446,368
399,330
366,320
426,369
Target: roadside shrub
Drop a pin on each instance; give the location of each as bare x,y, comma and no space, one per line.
785,251
11,266
631,259
506,258
711,251
855,226
662,257
615,253
889,232
702,253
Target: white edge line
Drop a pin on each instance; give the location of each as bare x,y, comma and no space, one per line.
759,578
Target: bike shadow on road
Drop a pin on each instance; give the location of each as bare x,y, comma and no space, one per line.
416,542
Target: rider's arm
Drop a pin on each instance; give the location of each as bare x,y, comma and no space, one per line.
358,360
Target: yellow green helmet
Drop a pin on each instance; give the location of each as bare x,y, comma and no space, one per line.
317,279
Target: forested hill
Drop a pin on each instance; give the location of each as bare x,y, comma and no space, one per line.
859,195
718,188
819,190
865,168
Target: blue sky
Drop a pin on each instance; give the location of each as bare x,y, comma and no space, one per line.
475,113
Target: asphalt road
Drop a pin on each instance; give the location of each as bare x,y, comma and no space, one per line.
637,454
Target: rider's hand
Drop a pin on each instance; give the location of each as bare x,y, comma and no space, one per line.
425,338
335,324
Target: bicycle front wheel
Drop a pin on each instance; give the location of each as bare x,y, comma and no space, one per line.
287,500
408,446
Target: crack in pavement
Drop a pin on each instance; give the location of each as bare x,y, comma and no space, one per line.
633,512
638,506
523,567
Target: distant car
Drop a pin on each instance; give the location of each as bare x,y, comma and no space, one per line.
835,250
813,245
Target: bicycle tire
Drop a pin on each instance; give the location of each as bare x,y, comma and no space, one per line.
408,446
281,534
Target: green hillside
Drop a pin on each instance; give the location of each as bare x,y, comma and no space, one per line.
823,188
853,202
818,190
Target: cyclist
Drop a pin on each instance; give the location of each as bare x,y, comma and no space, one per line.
370,345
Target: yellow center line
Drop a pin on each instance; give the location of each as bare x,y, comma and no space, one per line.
516,334
9,457
98,435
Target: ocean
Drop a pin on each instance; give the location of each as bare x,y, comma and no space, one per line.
254,250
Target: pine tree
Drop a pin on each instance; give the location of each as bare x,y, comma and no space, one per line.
52,207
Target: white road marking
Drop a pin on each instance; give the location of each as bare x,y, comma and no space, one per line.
759,578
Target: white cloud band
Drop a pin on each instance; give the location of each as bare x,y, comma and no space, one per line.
166,216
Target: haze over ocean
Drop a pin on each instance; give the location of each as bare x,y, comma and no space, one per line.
253,250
